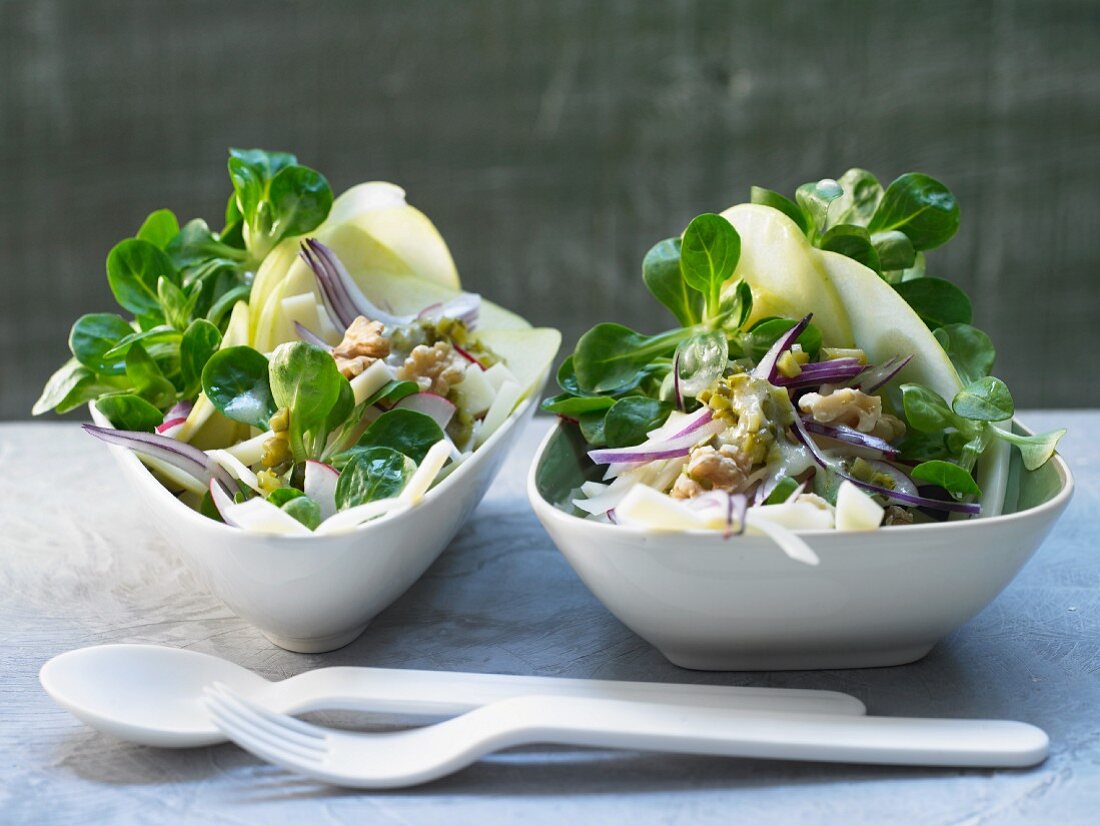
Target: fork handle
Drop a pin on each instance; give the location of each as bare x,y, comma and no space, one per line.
446,693
735,733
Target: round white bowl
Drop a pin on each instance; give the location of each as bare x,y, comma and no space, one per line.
318,593
878,598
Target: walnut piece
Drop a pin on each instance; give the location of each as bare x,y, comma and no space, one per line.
853,408
434,368
708,469
896,515
363,345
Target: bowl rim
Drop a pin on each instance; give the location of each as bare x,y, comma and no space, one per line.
545,509
205,523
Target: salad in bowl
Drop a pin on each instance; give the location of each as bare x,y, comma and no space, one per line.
821,388
311,373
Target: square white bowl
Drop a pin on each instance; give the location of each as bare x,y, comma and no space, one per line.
312,594
877,598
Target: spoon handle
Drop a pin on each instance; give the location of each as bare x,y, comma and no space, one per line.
446,693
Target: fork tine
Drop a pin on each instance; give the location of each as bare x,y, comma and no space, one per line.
261,749
280,724
239,726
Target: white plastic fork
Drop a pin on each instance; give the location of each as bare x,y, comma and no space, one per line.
406,758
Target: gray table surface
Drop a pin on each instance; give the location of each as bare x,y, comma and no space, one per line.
80,565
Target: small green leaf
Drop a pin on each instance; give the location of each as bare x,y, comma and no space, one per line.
566,404
894,250
304,509
236,382
92,338
782,491
175,303
408,431
952,478
921,447
1034,450
200,341
372,474
936,301
984,400
815,198
709,252
197,245
72,385
766,197
970,350
629,419
392,392
159,228
852,241
280,496
736,306
148,380
161,334
305,379
661,273
862,193
921,207
130,412
301,199
765,332
592,428
610,356
925,410
134,267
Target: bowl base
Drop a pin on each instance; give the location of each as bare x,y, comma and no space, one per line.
795,660
316,645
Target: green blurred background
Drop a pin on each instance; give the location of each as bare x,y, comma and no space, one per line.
553,143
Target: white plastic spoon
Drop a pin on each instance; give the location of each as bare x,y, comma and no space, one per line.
152,694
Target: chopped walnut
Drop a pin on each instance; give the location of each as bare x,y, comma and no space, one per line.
434,368
896,515
709,469
853,408
363,345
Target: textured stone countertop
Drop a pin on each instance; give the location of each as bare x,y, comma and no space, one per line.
80,565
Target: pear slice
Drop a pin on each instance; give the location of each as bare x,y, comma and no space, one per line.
527,353
884,325
778,263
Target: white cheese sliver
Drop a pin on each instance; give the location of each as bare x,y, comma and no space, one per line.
251,450
351,518
855,510
237,469
371,380
260,516
426,471
499,411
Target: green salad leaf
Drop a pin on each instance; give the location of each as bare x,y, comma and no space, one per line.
129,412
236,382
371,474
664,279
407,431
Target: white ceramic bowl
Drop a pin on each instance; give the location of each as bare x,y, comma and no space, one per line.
877,598
317,593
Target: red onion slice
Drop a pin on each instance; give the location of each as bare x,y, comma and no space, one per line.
180,455
876,377
768,366
310,337
851,436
